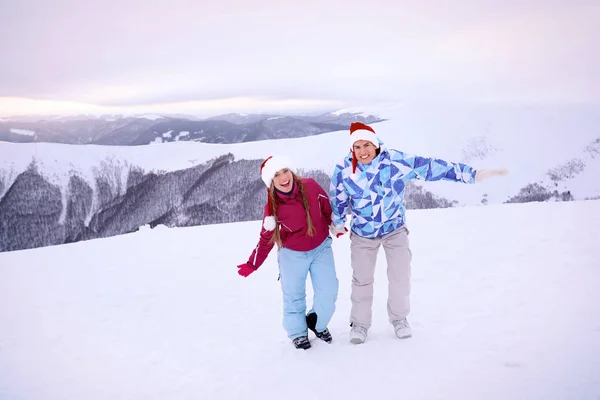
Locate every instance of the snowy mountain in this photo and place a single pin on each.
(478, 149)
(241, 118)
(578, 176)
(54, 197)
(55, 193)
(118, 130)
(497, 313)
(340, 117)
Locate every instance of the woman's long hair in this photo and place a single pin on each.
(275, 204)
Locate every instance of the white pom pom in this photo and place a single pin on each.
(269, 223)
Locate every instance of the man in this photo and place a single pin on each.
(370, 182)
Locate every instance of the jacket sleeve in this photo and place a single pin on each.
(264, 246)
(434, 169)
(338, 198)
(324, 204)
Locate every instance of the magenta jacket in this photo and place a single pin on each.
(292, 222)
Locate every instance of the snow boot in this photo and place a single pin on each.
(402, 329)
(301, 342)
(358, 334)
(311, 323)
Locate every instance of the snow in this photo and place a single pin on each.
(167, 134)
(525, 142)
(351, 110)
(271, 118)
(382, 110)
(354, 111)
(150, 117)
(56, 161)
(504, 305)
(24, 132)
(586, 183)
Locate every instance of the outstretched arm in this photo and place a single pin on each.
(435, 169)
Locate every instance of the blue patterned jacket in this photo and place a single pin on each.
(375, 193)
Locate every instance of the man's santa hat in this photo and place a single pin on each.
(360, 131)
(268, 169)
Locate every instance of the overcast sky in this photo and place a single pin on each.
(239, 55)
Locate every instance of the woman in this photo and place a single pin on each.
(297, 218)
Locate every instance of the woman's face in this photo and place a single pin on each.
(283, 180)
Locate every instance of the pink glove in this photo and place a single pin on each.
(246, 269)
(337, 231)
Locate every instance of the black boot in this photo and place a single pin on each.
(311, 323)
(302, 342)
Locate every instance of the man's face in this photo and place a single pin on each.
(365, 151)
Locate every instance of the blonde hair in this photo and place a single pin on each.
(275, 204)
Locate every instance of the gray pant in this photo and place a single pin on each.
(363, 256)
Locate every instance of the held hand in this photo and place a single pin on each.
(246, 269)
(483, 174)
(337, 231)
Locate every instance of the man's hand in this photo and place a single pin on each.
(483, 174)
(337, 231)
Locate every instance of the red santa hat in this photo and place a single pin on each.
(360, 131)
(268, 169)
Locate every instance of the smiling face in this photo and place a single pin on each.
(365, 151)
(283, 180)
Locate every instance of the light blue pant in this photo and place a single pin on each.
(294, 267)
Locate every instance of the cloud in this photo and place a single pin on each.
(19, 106)
(123, 54)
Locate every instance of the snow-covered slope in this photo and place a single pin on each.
(580, 175)
(57, 161)
(529, 142)
(505, 305)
